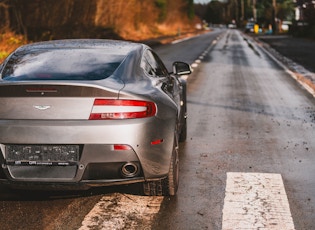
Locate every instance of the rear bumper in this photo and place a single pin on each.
(96, 165)
(97, 137)
(99, 166)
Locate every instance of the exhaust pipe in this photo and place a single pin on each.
(130, 170)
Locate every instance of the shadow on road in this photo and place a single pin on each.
(7, 194)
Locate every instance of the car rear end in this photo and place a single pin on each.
(80, 133)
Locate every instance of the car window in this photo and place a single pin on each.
(146, 66)
(61, 64)
(153, 65)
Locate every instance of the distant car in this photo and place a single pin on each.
(84, 113)
(231, 26)
(285, 26)
(249, 28)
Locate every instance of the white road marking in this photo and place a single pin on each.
(122, 211)
(183, 39)
(201, 57)
(256, 201)
(252, 201)
(194, 65)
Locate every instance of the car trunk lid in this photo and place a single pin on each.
(50, 101)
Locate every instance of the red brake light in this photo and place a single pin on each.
(111, 109)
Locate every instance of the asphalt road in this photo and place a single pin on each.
(248, 160)
(246, 115)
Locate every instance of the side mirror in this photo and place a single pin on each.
(181, 68)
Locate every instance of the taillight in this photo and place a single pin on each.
(111, 109)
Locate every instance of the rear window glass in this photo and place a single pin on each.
(61, 64)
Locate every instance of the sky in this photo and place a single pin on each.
(202, 1)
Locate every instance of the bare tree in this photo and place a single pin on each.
(4, 10)
(17, 11)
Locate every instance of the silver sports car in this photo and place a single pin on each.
(83, 113)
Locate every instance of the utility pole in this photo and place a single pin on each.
(236, 16)
(242, 10)
(254, 11)
(274, 27)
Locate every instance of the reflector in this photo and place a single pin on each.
(121, 147)
(156, 142)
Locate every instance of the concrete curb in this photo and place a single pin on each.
(304, 77)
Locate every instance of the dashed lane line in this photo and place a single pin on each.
(198, 61)
(256, 201)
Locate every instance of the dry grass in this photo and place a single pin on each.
(9, 42)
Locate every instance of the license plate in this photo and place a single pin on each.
(42, 155)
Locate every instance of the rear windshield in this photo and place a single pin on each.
(61, 64)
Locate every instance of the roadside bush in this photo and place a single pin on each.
(9, 41)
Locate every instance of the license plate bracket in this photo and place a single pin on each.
(42, 155)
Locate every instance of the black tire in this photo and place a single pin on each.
(183, 131)
(167, 186)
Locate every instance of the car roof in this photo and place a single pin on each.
(122, 47)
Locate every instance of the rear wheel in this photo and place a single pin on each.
(169, 185)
